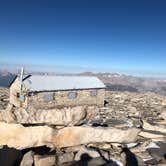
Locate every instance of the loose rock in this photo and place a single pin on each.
(27, 159)
(44, 160)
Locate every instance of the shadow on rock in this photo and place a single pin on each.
(107, 162)
(131, 159)
(165, 156)
(10, 156)
(85, 158)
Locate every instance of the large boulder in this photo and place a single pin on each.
(67, 116)
(72, 136)
(20, 137)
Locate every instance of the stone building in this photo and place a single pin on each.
(46, 92)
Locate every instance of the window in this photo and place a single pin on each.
(48, 97)
(72, 95)
(93, 93)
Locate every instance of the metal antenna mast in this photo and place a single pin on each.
(21, 78)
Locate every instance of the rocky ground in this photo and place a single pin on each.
(129, 131)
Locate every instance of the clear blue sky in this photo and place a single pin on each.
(107, 35)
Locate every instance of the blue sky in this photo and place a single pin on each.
(116, 36)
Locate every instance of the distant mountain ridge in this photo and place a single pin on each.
(6, 78)
(113, 81)
(121, 82)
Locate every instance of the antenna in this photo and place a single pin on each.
(21, 78)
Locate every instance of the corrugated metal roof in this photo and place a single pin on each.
(48, 83)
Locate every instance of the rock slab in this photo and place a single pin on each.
(67, 116)
(20, 137)
(72, 136)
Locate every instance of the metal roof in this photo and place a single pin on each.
(48, 83)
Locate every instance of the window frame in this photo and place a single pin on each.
(50, 97)
(72, 95)
(93, 93)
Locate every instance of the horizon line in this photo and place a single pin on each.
(59, 69)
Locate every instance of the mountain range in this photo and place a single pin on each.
(113, 81)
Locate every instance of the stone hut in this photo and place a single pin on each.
(46, 92)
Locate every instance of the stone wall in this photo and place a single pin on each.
(61, 99)
(4, 97)
(14, 99)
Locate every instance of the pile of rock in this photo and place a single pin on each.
(131, 130)
(131, 107)
(144, 105)
(66, 144)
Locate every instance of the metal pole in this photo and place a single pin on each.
(21, 78)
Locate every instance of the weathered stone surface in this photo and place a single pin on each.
(157, 154)
(164, 103)
(61, 99)
(20, 137)
(151, 135)
(140, 105)
(140, 147)
(66, 116)
(66, 157)
(7, 115)
(72, 149)
(4, 97)
(72, 136)
(159, 139)
(92, 112)
(44, 160)
(157, 128)
(103, 146)
(163, 115)
(27, 159)
(15, 135)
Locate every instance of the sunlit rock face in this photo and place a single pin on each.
(67, 116)
(71, 136)
(20, 137)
